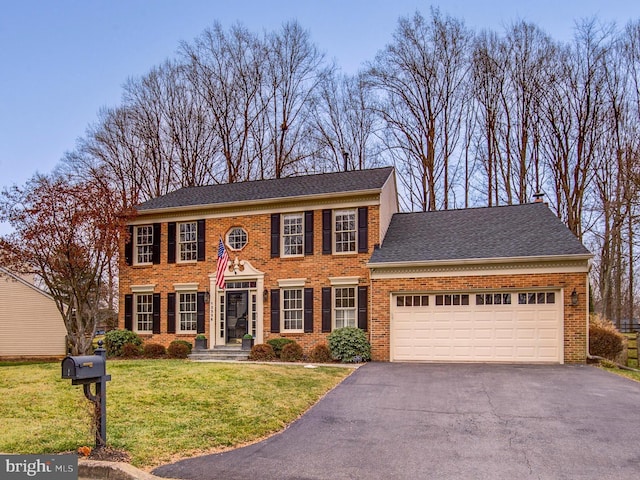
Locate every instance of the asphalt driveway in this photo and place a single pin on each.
(425, 421)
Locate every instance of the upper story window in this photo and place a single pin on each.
(345, 230)
(143, 244)
(188, 242)
(237, 238)
(292, 234)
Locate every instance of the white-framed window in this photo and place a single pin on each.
(449, 299)
(187, 311)
(292, 309)
(345, 231)
(292, 234)
(188, 242)
(144, 312)
(237, 238)
(344, 307)
(143, 244)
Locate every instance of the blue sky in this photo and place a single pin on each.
(62, 60)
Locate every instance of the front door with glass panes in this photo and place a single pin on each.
(237, 309)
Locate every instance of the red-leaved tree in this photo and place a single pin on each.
(66, 233)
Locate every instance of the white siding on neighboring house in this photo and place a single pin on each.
(30, 324)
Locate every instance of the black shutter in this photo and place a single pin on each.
(171, 312)
(156, 243)
(156, 313)
(200, 314)
(308, 310)
(363, 229)
(171, 243)
(326, 309)
(201, 242)
(308, 233)
(326, 232)
(275, 235)
(275, 311)
(128, 312)
(128, 247)
(363, 307)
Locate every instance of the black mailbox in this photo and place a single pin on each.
(85, 367)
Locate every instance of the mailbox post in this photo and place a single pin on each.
(86, 370)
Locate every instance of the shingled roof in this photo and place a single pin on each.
(289, 187)
(515, 231)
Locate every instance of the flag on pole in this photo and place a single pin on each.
(223, 261)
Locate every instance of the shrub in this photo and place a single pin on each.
(292, 352)
(604, 338)
(114, 340)
(321, 354)
(179, 349)
(349, 345)
(130, 350)
(262, 352)
(278, 344)
(153, 350)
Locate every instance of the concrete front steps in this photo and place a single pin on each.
(220, 353)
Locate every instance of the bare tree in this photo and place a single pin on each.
(226, 70)
(420, 77)
(345, 124)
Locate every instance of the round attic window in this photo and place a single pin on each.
(237, 238)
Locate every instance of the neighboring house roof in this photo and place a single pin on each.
(18, 278)
(289, 187)
(515, 231)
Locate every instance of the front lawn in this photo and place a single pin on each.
(157, 410)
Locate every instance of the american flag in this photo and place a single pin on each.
(223, 260)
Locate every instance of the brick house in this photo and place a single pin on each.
(314, 253)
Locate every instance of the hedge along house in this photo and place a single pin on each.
(314, 253)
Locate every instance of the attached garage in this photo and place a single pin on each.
(477, 327)
(503, 284)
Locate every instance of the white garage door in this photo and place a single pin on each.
(488, 327)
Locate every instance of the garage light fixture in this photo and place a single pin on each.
(574, 297)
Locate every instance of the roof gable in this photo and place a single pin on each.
(515, 231)
(279, 188)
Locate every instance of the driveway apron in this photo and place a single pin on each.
(461, 421)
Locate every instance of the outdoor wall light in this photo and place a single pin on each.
(265, 295)
(207, 297)
(574, 297)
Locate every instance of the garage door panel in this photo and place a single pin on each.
(504, 332)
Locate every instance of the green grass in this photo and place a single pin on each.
(624, 373)
(157, 410)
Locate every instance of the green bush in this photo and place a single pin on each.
(262, 352)
(130, 350)
(179, 349)
(153, 350)
(292, 352)
(604, 339)
(321, 354)
(349, 345)
(278, 344)
(114, 340)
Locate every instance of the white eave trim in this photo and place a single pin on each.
(479, 261)
(476, 267)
